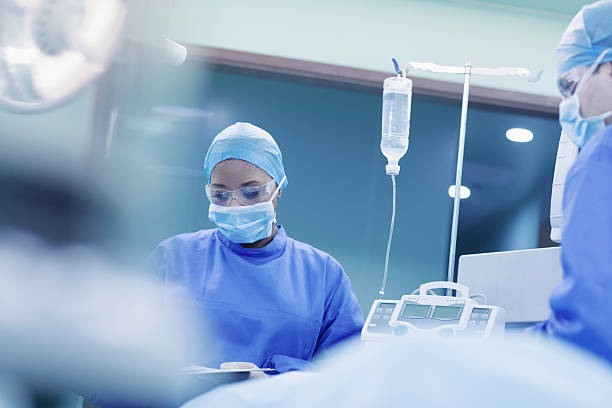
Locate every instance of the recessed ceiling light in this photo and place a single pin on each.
(463, 193)
(519, 135)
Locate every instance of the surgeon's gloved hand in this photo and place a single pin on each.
(242, 365)
(283, 364)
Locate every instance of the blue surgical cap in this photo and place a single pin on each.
(586, 37)
(246, 142)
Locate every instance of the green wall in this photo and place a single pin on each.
(367, 33)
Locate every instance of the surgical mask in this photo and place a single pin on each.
(577, 128)
(245, 224)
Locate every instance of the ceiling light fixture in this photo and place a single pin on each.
(519, 135)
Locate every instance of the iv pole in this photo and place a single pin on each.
(467, 70)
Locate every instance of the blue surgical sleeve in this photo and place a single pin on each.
(342, 320)
(342, 317)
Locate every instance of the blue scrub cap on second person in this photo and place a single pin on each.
(586, 37)
(250, 143)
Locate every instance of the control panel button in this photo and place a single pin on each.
(379, 310)
(483, 323)
(485, 316)
(386, 317)
(475, 315)
(376, 317)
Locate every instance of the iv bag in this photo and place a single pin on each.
(397, 100)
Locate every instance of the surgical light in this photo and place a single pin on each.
(464, 192)
(51, 49)
(519, 135)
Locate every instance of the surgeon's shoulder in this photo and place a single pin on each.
(309, 252)
(190, 240)
(593, 158)
(598, 149)
(605, 140)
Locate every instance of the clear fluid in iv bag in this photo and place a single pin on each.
(395, 125)
(394, 147)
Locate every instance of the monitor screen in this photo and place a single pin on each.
(412, 310)
(447, 312)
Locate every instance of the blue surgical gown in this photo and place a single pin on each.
(581, 304)
(275, 306)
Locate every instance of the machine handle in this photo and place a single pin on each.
(462, 290)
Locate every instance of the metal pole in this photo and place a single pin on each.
(453, 241)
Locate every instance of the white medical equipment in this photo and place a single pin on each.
(519, 281)
(424, 314)
(566, 156)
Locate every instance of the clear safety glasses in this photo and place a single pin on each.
(568, 82)
(246, 195)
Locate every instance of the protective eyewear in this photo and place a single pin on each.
(570, 81)
(245, 196)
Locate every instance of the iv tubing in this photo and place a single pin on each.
(384, 281)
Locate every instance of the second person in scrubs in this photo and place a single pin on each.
(266, 298)
(580, 304)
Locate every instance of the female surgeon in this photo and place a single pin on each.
(266, 299)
